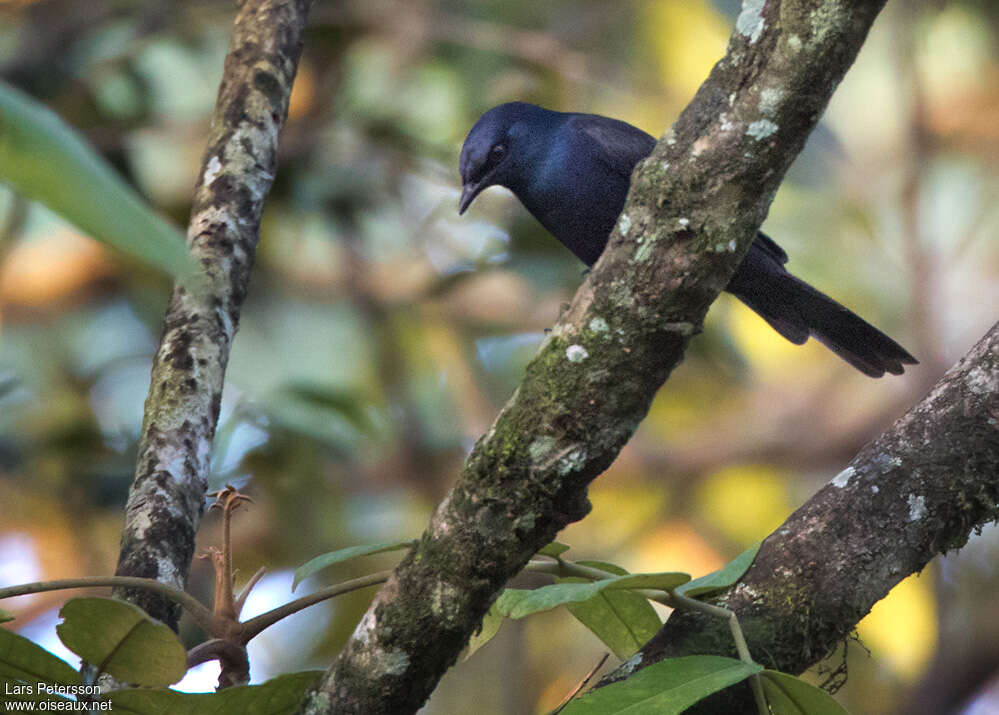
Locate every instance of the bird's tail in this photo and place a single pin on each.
(796, 310)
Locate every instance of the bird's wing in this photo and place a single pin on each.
(618, 144)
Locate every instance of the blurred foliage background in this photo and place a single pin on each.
(382, 332)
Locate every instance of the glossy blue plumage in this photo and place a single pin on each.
(572, 172)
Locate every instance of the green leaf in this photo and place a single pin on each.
(351, 552)
(491, 623)
(623, 620)
(344, 403)
(788, 695)
(122, 640)
(722, 578)
(279, 696)
(517, 603)
(554, 549)
(334, 417)
(21, 661)
(666, 581)
(665, 688)
(45, 159)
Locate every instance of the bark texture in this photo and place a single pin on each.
(166, 499)
(694, 207)
(918, 490)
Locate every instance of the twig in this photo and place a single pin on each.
(670, 598)
(692, 604)
(580, 686)
(199, 613)
(245, 591)
(254, 626)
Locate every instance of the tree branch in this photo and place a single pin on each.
(693, 210)
(166, 499)
(918, 490)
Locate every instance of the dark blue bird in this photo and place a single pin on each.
(572, 172)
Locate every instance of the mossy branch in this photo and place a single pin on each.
(920, 489)
(166, 498)
(694, 208)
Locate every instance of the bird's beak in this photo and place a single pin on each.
(468, 194)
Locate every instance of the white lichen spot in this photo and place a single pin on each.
(624, 225)
(444, 600)
(573, 461)
(874, 489)
(664, 165)
(599, 325)
(684, 222)
(825, 20)
(700, 146)
(212, 169)
(644, 251)
(727, 126)
(683, 328)
(540, 448)
(917, 507)
(631, 665)
(761, 129)
(844, 477)
(981, 381)
(576, 353)
(794, 42)
(394, 662)
(166, 572)
(525, 522)
(140, 523)
(769, 99)
(440, 525)
(365, 628)
(731, 245)
(887, 462)
(750, 22)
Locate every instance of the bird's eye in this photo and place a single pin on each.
(497, 152)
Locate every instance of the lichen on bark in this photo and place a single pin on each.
(694, 208)
(165, 502)
(920, 489)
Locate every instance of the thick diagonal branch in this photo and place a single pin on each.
(166, 499)
(694, 208)
(918, 490)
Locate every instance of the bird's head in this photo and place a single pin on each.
(496, 146)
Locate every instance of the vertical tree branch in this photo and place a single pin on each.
(166, 499)
(694, 208)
